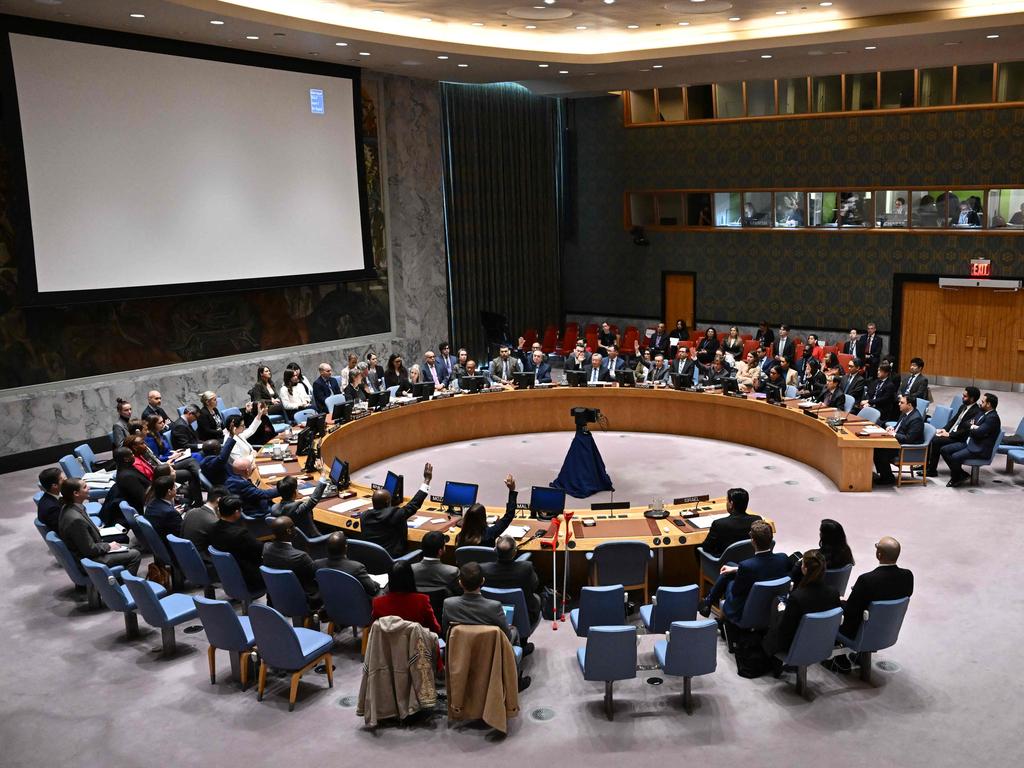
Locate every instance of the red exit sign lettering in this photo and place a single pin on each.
(981, 268)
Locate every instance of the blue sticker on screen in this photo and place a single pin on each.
(316, 101)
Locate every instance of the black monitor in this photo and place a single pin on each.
(339, 473)
(773, 392)
(423, 389)
(377, 400)
(730, 386)
(318, 424)
(576, 378)
(304, 444)
(523, 380)
(460, 494)
(546, 503)
(682, 380)
(395, 485)
(626, 377)
(342, 412)
(471, 383)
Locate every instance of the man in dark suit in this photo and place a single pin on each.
(324, 386)
(659, 371)
(160, 512)
(887, 582)
(981, 436)
(49, 504)
(433, 371)
(182, 434)
(199, 521)
(833, 396)
(686, 363)
(597, 372)
(445, 360)
(956, 427)
(916, 383)
(783, 347)
(255, 500)
(853, 382)
(155, 406)
(613, 361)
(430, 573)
(504, 365)
(77, 530)
(541, 370)
(338, 560)
(508, 573)
(659, 341)
(909, 430)
(231, 535)
(283, 555)
(852, 345)
(385, 524)
(735, 582)
(736, 527)
(881, 395)
(298, 508)
(870, 350)
(214, 461)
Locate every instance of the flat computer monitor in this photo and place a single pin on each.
(304, 443)
(546, 503)
(318, 424)
(460, 494)
(472, 383)
(339, 473)
(423, 389)
(682, 380)
(523, 380)
(342, 412)
(626, 377)
(395, 485)
(730, 386)
(576, 378)
(773, 393)
(377, 400)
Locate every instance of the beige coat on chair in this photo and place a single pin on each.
(398, 670)
(482, 676)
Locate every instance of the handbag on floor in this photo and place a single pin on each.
(159, 574)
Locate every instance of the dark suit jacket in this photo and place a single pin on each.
(881, 394)
(915, 387)
(387, 527)
(196, 527)
(132, 486)
(765, 339)
(442, 364)
(236, 539)
(543, 374)
(48, 511)
(851, 347)
(871, 352)
(510, 574)
(764, 566)
(886, 582)
(183, 436)
(206, 426)
(659, 344)
(960, 435)
(442, 375)
(982, 434)
(706, 349)
(910, 428)
(163, 517)
(728, 530)
(255, 501)
(81, 534)
(283, 556)
(853, 386)
(620, 364)
(834, 399)
(322, 390)
(805, 599)
(352, 568)
(602, 373)
(433, 574)
(658, 374)
(149, 410)
(788, 351)
(473, 608)
(215, 468)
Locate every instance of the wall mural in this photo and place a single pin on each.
(39, 345)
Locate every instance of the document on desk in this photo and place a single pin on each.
(348, 506)
(706, 521)
(307, 491)
(98, 477)
(873, 430)
(416, 522)
(517, 531)
(266, 470)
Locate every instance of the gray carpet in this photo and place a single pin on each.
(77, 693)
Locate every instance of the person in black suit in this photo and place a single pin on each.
(714, 374)
(182, 434)
(129, 481)
(881, 395)
(434, 371)
(833, 547)
(385, 524)
(870, 350)
(736, 527)
(283, 555)
(852, 344)
(541, 370)
(909, 430)
(77, 530)
(981, 436)
(160, 512)
(155, 406)
(214, 461)
(735, 581)
(508, 573)
(707, 346)
(853, 382)
(210, 424)
(784, 347)
(956, 427)
(49, 504)
(231, 535)
(886, 582)
(324, 386)
(659, 371)
(833, 396)
(811, 596)
(597, 372)
(337, 559)
(916, 384)
(430, 573)
(686, 362)
(812, 382)
(445, 360)
(764, 337)
(659, 341)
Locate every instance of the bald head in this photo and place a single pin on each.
(281, 527)
(887, 550)
(381, 499)
(242, 466)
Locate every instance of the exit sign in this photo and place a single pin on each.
(981, 268)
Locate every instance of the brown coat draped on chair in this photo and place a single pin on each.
(481, 676)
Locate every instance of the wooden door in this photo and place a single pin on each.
(678, 298)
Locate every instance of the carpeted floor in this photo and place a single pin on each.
(76, 692)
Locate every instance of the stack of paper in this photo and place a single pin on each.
(348, 506)
(706, 521)
(266, 470)
(381, 579)
(416, 522)
(872, 430)
(517, 531)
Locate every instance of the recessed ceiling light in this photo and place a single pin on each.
(252, 37)
(952, 42)
(870, 47)
(377, 10)
(137, 15)
(684, 23)
(341, 45)
(543, 66)
(550, 2)
(991, 37)
(463, 65)
(609, 2)
(839, 53)
(442, 58)
(531, 26)
(632, 26)
(815, 53)
(563, 71)
(696, 1)
(781, 13)
(217, 22)
(477, 24)
(734, 18)
(766, 55)
(657, 66)
(364, 53)
(581, 26)
(825, 5)
(427, 20)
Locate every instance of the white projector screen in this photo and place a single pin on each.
(150, 170)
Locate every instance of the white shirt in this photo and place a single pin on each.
(241, 449)
(300, 397)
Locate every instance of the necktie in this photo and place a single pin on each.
(593, 374)
(959, 418)
(433, 373)
(504, 370)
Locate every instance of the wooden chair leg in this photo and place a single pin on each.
(244, 659)
(262, 681)
(330, 628)
(211, 655)
(296, 676)
(329, 664)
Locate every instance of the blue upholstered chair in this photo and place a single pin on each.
(332, 401)
(286, 594)
(792, 391)
(922, 406)
(228, 412)
(128, 515)
(155, 544)
(72, 568)
(878, 631)
(115, 595)
(690, 649)
(871, 414)
(758, 606)
(598, 606)
(376, 558)
(231, 579)
(940, 416)
(711, 566)
(520, 613)
(1014, 455)
(315, 547)
(813, 642)
(955, 402)
(300, 417)
(474, 554)
(983, 461)
(848, 402)
(621, 562)
(72, 467)
(40, 528)
(191, 564)
(670, 604)
(226, 631)
(164, 613)
(610, 655)
(88, 458)
(345, 601)
(914, 455)
(291, 649)
(839, 578)
(1005, 449)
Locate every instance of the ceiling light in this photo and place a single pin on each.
(550, 2)
(839, 53)
(137, 15)
(363, 53)
(581, 26)
(217, 22)
(734, 18)
(684, 23)
(632, 26)
(781, 13)
(442, 58)
(427, 20)
(766, 55)
(252, 37)
(543, 66)
(531, 26)
(377, 10)
(870, 47)
(991, 37)
(341, 44)
(647, 70)
(952, 42)
(825, 5)
(657, 66)
(463, 65)
(563, 71)
(696, 1)
(477, 24)
(609, 2)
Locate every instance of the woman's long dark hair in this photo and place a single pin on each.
(832, 543)
(474, 526)
(401, 578)
(391, 364)
(814, 563)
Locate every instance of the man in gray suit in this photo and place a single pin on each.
(337, 558)
(504, 365)
(430, 573)
(81, 535)
(283, 555)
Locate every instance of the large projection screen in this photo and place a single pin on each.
(150, 173)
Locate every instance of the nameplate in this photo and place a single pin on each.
(523, 507)
(437, 499)
(691, 499)
(376, 487)
(603, 505)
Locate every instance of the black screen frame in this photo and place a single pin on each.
(18, 207)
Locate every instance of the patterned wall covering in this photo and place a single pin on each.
(821, 280)
(50, 344)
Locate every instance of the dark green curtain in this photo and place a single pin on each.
(503, 207)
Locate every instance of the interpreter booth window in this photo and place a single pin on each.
(821, 209)
(793, 96)
(760, 98)
(935, 88)
(790, 209)
(757, 209)
(891, 209)
(670, 104)
(974, 84)
(898, 89)
(730, 99)
(856, 209)
(965, 209)
(1006, 208)
(1010, 83)
(862, 91)
(670, 209)
(641, 209)
(925, 212)
(698, 209)
(827, 93)
(641, 106)
(728, 209)
(700, 102)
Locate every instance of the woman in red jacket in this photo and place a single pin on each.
(402, 600)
